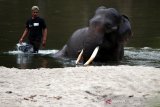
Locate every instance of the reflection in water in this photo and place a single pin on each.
(23, 60)
(35, 60)
(44, 63)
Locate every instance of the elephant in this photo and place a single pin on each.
(108, 32)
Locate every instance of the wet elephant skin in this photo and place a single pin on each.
(107, 29)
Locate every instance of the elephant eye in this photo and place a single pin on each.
(108, 25)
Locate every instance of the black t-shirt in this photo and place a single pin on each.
(35, 27)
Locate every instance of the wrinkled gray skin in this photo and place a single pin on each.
(108, 29)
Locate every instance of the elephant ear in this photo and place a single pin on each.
(124, 16)
(125, 30)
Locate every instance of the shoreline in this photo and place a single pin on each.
(91, 86)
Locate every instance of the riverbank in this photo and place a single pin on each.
(103, 86)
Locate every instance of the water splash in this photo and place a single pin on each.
(25, 48)
(41, 52)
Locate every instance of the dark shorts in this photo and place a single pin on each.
(36, 43)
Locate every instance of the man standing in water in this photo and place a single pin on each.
(36, 30)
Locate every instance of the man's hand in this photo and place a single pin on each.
(44, 37)
(44, 43)
(21, 40)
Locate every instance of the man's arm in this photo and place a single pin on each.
(23, 35)
(44, 37)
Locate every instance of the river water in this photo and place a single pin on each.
(64, 17)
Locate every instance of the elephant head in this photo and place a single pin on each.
(106, 20)
(109, 32)
(103, 40)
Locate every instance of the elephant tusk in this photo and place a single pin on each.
(79, 57)
(92, 56)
